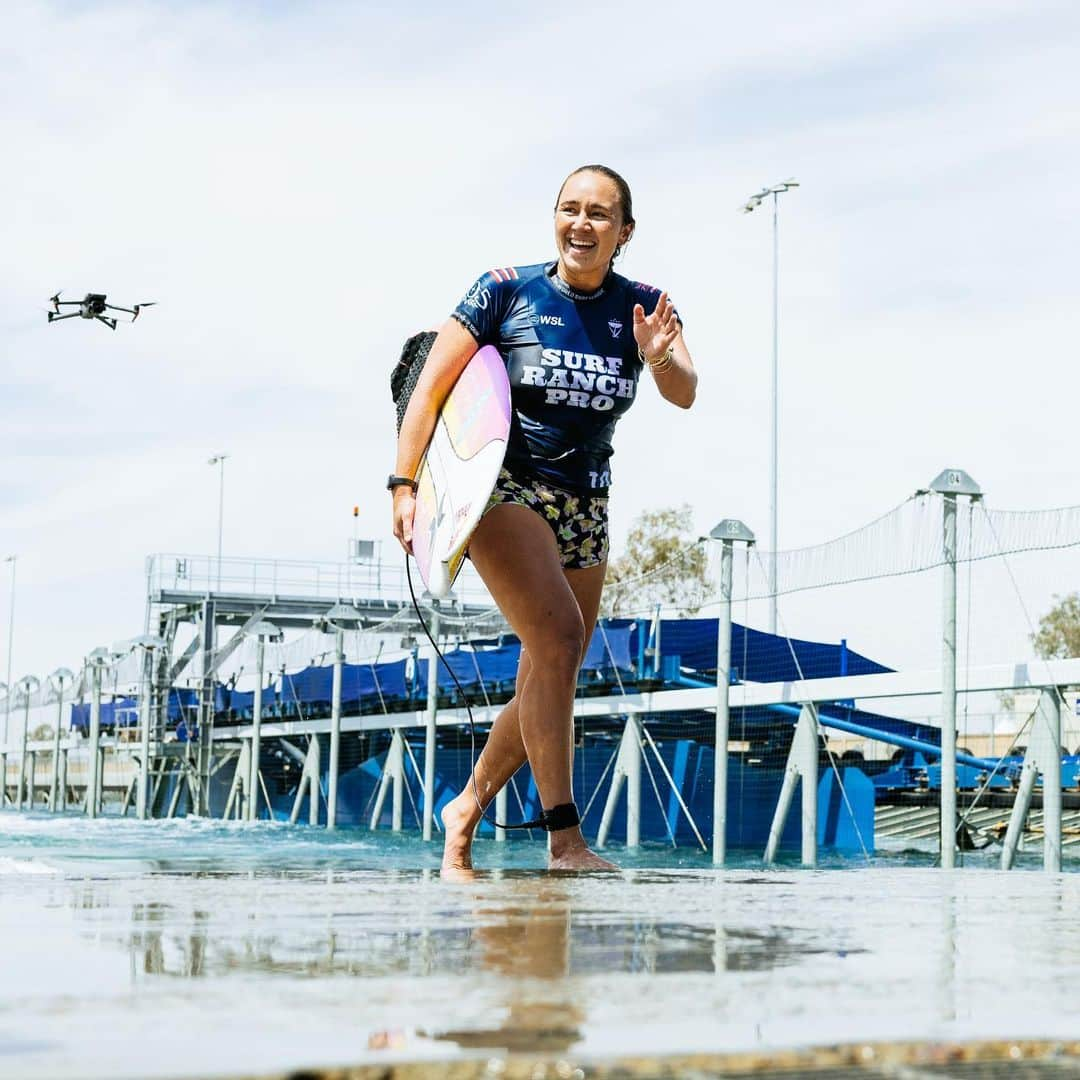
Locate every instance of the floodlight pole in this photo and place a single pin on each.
(774, 457)
(219, 460)
(775, 190)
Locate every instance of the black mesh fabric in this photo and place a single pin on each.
(407, 370)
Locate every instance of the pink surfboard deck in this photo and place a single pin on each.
(460, 467)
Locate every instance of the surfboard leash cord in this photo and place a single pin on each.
(558, 817)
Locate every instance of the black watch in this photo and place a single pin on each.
(400, 481)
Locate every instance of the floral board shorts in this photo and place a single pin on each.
(579, 522)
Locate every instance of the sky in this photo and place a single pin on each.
(301, 187)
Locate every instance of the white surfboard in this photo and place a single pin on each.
(460, 467)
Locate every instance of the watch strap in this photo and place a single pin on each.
(400, 481)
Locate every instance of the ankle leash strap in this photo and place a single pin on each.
(560, 817)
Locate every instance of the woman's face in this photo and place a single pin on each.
(589, 224)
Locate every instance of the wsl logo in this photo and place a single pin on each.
(615, 327)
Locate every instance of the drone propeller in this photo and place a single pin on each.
(139, 307)
(55, 301)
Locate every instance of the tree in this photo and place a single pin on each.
(1059, 629)
(663, 563)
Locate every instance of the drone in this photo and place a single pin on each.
(93, 306)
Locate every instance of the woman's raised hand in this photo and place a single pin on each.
(656, 333)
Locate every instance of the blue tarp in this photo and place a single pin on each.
(243, 701)
(616, 645)
(120, 712)
(472, 667)
(755, 656)
(359, 682)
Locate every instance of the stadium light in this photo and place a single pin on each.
(752, 203)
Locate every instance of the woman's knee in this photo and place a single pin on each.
(559, 645)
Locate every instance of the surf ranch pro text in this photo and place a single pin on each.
(580, 380)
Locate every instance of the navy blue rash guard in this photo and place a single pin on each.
(573, 366)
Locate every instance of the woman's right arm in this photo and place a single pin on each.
(449, 354)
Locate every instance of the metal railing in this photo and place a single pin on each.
(378, 579)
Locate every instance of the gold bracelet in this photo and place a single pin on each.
(660, 364)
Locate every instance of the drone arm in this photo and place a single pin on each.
(53, 317)
(110, 323)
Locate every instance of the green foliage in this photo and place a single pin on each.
(42, 732)
(1059, 629)
(663, 564)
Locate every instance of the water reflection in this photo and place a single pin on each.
(524, 939)
(510, 925)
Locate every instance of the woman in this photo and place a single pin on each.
(576, 338)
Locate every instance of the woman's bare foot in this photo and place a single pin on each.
(570, 852)
(579, 859)
(459, 821)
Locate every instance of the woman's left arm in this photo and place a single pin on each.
(677, 381)
(663, 351)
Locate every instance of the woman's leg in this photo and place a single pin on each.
(504, 751)
(515, 553)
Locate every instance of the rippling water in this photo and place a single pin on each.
(199, 947)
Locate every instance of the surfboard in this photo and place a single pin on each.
(460, 467)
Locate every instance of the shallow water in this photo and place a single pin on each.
(204, 948)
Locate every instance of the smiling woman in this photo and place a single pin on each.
(575, 337)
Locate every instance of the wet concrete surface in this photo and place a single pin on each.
(156, 967)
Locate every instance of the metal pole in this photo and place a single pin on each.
(335, 730)
(95, 740)
(1050, 709)
(256, 735)
(221, 516)
(429, 726)
(774, 468)
(723, 680)
(219, 460)
(54, 783)
(207, 694)
(808, 767)
(143, 808)
(11, 641)
(948, 689)
(22, 759)
(501, 801)
(632, 733)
